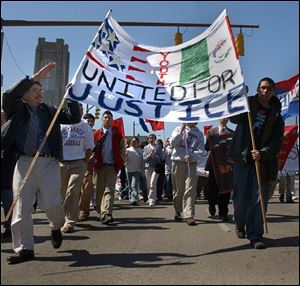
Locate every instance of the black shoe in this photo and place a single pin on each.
(134, 203)
(107, 219)
(281, 198)
(23, 256)
(257, 244)
(178, 217)
(289, 200)
(212, 209)
(190, 221)
(56, 238)
(224, 218)
(240, 231)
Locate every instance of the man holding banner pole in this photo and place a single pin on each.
(255, 151)
(29, 132)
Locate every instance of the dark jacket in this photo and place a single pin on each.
(8, 161)
(18, 117)
(270, 141)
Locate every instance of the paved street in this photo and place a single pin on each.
(146, 246)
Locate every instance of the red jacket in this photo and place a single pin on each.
(118, 149)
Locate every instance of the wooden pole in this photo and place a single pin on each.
(186, 152)
(257, 167)
(34, 160)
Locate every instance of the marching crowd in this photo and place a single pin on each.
(75, 160)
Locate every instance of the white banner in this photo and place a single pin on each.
(200, 80)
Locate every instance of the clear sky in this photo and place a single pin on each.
(272, 50)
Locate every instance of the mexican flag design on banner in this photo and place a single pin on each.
(198, 54)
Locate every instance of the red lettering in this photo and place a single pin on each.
(164, 54)
(159, 82)
(164, 63)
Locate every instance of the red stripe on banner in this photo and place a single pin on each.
(131, 68)
(139, 49)
(91, 57)
(135, 59)
(231, 36)
(132, 78)
(156, 125)
(288, 84)
(289, 139)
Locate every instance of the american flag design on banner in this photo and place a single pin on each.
(288, 93)
(105, 47)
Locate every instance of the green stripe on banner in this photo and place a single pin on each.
(195, 64)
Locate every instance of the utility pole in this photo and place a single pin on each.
(23, 23)
(133, 128)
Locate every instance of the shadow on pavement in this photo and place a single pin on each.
(80, 258)
(42, 239)
(292, 241)
(275, 218)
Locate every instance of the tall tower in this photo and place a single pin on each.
(58, 52)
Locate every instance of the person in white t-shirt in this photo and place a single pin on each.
(78, 143)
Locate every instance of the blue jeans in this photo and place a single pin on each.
(168, 187)
(246, 203)
(134, 183)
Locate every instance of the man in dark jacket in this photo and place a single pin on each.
(217, 192)
(268, 129)
(28, 121)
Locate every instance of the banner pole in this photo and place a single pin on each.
(257, 168)
(187, 153)
(34, 160)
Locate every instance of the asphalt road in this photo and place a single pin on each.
(146, 246)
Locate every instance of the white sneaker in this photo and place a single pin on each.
(67, 228)
(151, 203)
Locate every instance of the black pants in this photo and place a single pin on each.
(160, 186)
(213, 196)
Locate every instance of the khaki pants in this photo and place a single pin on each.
(86, 193)
(184, 188)
(44, 181)
(72, 174)
(105, 183)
